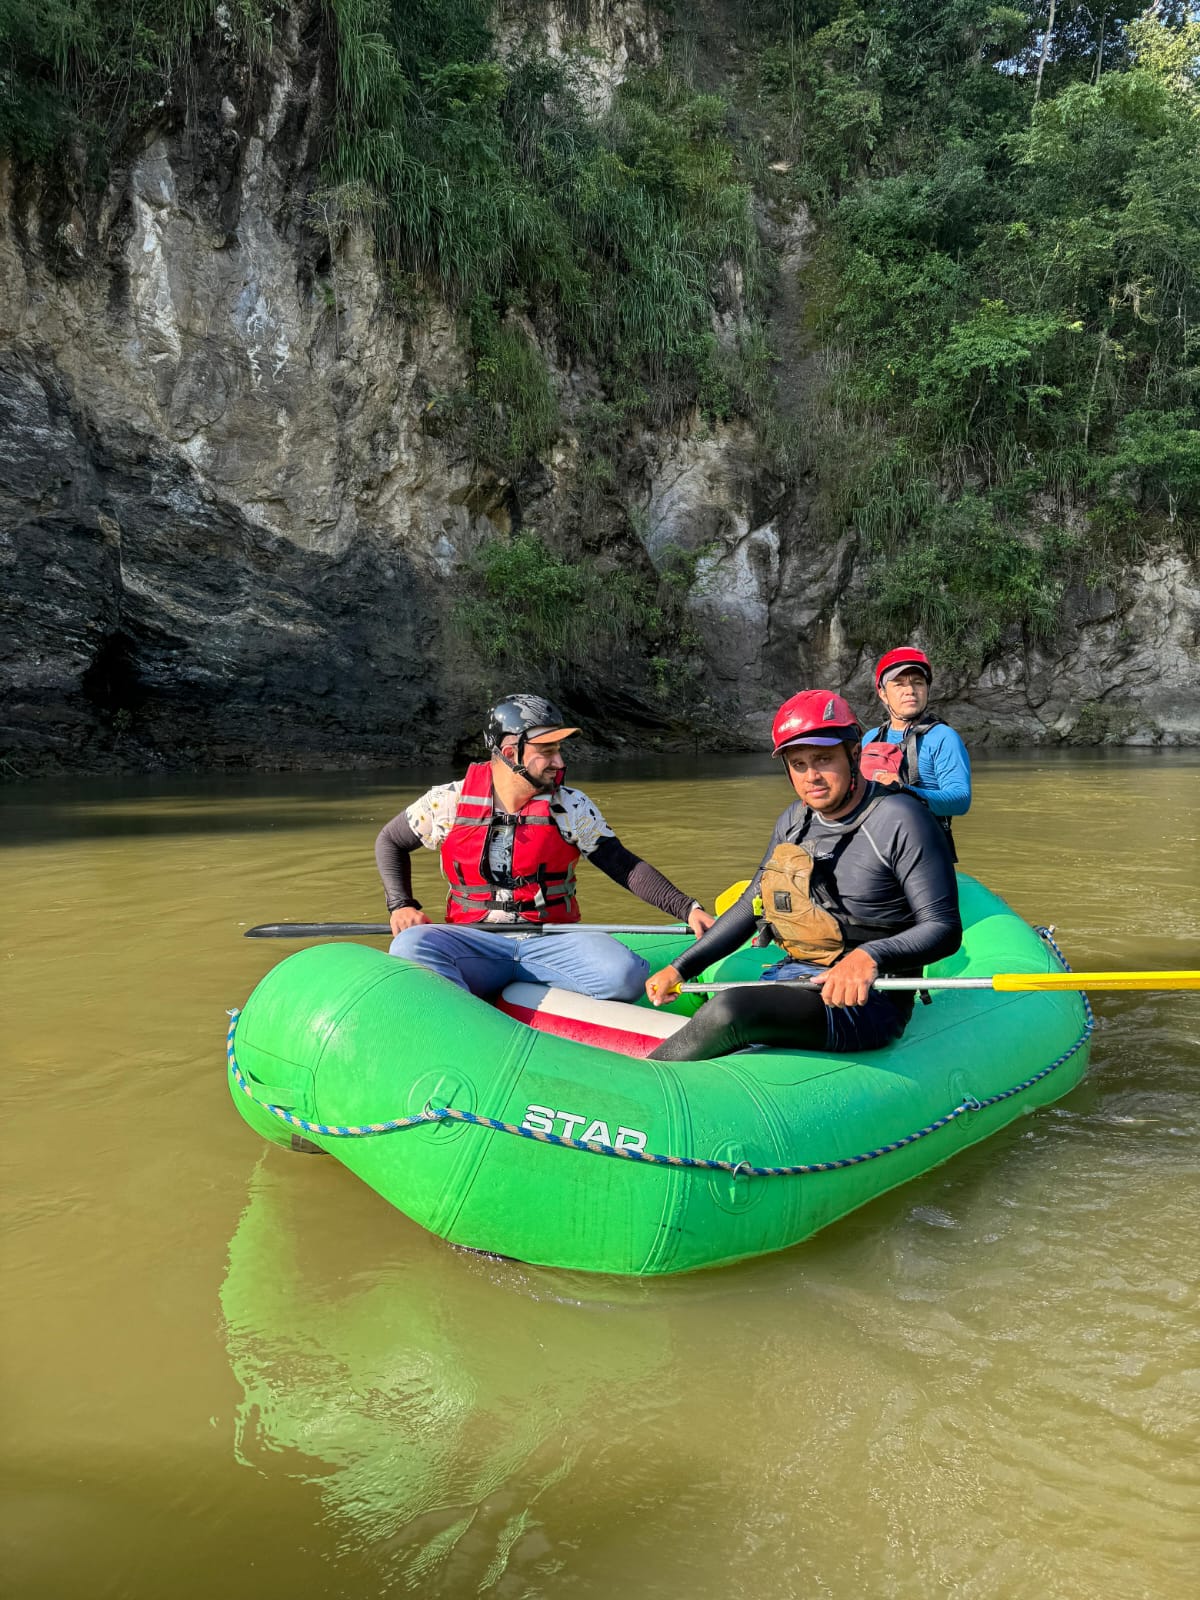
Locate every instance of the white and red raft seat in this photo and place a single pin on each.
(609, 1024)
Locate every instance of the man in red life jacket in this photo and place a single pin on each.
(509, 834)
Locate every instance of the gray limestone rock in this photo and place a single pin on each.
(229, 533)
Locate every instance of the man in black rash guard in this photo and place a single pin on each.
(509, 834)
(880, 887)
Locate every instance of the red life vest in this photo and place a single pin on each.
(542, 876)
(880, 755)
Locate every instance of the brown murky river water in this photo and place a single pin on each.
(233, 1371)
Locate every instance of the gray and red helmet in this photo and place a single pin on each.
(906, 659)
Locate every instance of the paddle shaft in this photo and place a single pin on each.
(353, 930)
(807, 983)
(1001, 982)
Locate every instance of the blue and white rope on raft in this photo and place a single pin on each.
(433, 1114)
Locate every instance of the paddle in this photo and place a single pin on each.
(354, 930)
(727, 896)
(1000, 982)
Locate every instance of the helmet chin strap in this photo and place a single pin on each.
(518, 766)
(853, 753)
(550, 781)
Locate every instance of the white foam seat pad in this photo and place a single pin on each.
(608, 1024)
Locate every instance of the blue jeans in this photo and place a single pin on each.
(850, 1028)
(484, 963)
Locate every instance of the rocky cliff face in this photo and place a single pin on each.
(227, 537)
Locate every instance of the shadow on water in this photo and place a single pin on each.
(238, 803)
(78, 810)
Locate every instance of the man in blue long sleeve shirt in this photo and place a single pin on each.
(933, 760)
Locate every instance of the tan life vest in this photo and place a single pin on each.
(804, 930)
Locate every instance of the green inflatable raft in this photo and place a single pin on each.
(502, 1137)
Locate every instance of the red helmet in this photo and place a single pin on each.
(815, 716)
(896, 660)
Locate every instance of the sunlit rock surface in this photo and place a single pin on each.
(229, 536)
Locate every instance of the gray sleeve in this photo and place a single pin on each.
(640, 878)
(727, 933)
(921, 861)
(393, 846)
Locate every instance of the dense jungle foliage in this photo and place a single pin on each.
(1005, 291)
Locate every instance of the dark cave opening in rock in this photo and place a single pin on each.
(112, 683)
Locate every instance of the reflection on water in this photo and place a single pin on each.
(427, 1435)
(229, 1368)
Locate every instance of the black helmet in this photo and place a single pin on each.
(519, 715)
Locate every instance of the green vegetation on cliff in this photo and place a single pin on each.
(1007, 292)
(528, 608)
(608, 234)
(614, 238)
(85, 73)
(610, 228)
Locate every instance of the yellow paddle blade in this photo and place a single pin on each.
(727, 896)
(1096, 980)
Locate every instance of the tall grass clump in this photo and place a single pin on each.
(89, 71)
(614, 237)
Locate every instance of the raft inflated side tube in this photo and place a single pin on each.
(348, 1036)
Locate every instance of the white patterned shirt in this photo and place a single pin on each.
(578, 818)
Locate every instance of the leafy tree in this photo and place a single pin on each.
(1007, 288)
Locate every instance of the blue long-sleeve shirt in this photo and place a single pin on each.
(943, 768)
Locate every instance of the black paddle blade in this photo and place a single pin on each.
(370, 930)
(317, 930)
